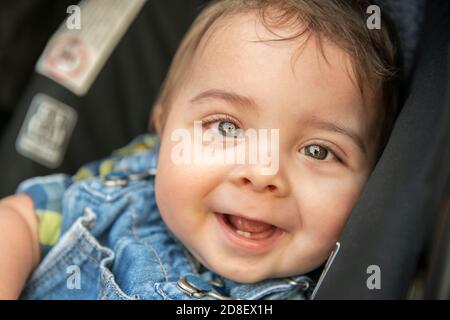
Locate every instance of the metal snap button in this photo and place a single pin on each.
(302, 283)
(115, 179)
(142, 175)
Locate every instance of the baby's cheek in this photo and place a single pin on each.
(178, 196)
(328, 211)
(171, 211)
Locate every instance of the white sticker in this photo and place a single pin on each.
(46, 131)
(74, 56)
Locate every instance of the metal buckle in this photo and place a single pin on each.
(198, 288)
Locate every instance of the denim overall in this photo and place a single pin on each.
(113, 244)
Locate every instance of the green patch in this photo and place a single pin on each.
(49, 226)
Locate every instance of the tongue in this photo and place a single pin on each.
(248, 225)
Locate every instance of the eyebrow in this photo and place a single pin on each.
(248, 102)
(331, 126)
(227, 96)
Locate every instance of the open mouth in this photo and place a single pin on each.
(251, 234)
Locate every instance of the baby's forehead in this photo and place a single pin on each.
(240, 48)
(244, 35)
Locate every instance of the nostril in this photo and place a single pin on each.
(271, 187)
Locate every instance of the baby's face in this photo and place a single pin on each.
(324, 150)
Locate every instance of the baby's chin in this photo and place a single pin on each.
(242, 276)
(243, 273)
(252, 276)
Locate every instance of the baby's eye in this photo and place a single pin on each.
(226, 127)
(229, 129)
(317, 152)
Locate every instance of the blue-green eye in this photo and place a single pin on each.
(225, 125)
(315, 151)
(228, 129)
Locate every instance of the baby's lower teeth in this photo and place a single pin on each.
(244, 233)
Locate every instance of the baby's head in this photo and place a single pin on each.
(312, 70)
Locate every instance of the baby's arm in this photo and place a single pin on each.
(19, 244)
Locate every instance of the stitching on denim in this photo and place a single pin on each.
(146, 244)
(103, 295)
(112, 285)
(88, 255)
(87, 186)
(47, 273)
(162, 292)
(268, 291)
(65, 258)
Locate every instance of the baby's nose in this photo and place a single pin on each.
(249, 176)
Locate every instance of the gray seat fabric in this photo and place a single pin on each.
(393, 221)
(407, 17)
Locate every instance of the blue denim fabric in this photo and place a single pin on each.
(113, 234)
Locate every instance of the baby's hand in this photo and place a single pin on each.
(19, 244)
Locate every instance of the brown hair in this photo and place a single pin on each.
(342, 22)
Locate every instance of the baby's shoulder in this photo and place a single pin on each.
(138, 155)
(104, 186)
(136, 160)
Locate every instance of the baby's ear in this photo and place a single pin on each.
(156, 119)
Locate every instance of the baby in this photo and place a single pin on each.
(140, 225)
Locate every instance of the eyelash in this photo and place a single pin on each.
(328, 148)
(224, 117)
(217, 117)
